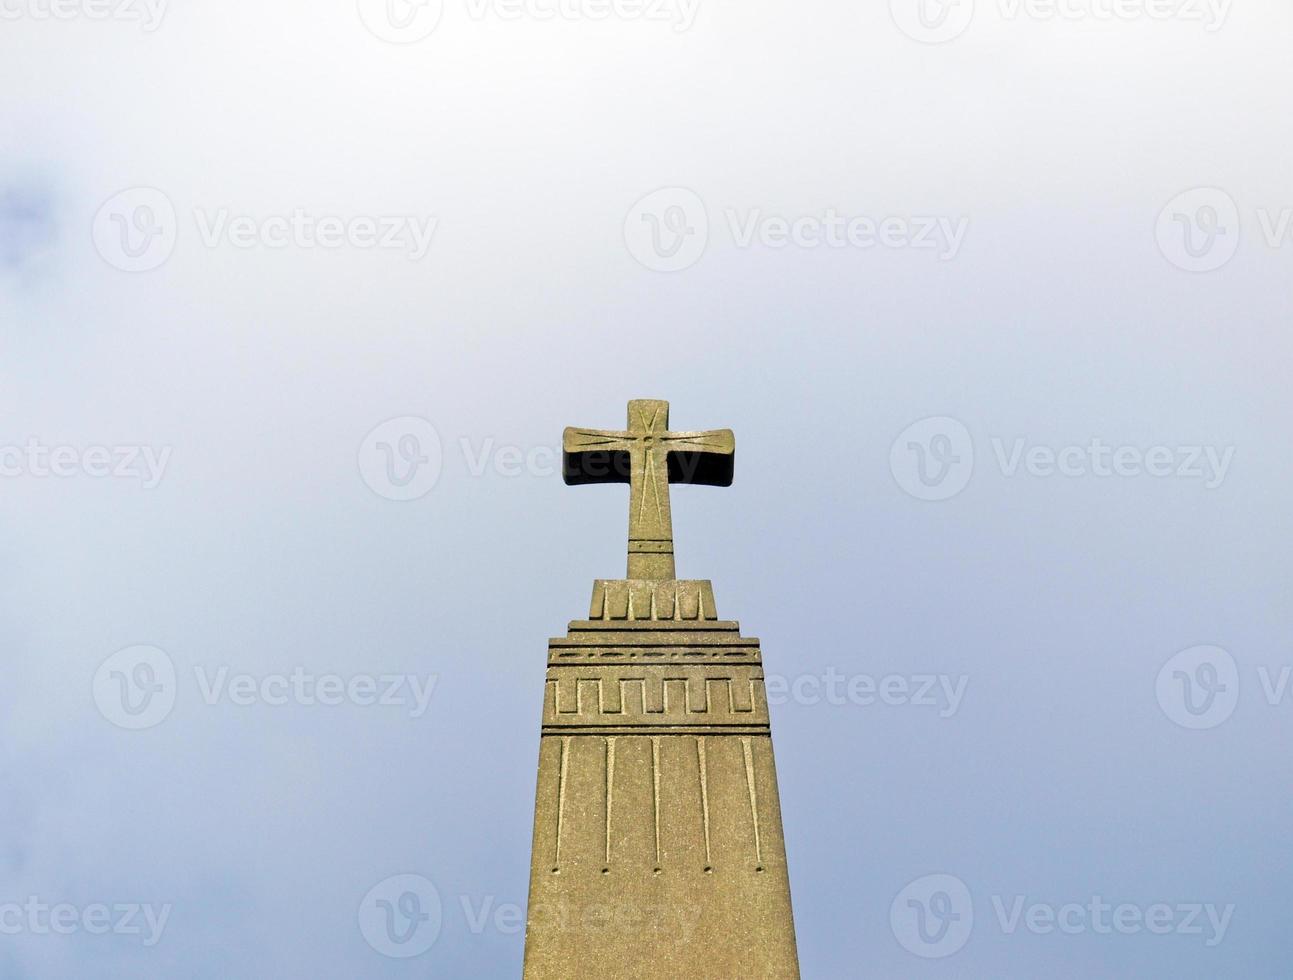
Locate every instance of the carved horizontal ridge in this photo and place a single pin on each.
(654, 676)
(657, 695)
(654, 656)
(652, 638)
(628, 694)
(652, 600)
(651, 625)
(665, 731)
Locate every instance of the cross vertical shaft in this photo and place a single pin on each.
(648, 457)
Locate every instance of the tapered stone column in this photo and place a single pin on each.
(658, 847)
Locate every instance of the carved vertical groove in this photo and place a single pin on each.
(610, 797)
(704, 798)
(655, 794)
(754, 803)
(561, 800)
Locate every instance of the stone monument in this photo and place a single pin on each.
(658, 849)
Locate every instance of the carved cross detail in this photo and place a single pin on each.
(648, 457)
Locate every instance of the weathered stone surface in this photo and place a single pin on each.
(658, 848)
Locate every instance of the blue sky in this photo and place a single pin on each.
(251, 258)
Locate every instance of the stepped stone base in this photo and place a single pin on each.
(658, 849)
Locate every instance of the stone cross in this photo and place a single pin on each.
(648, 457)
(657, 789)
